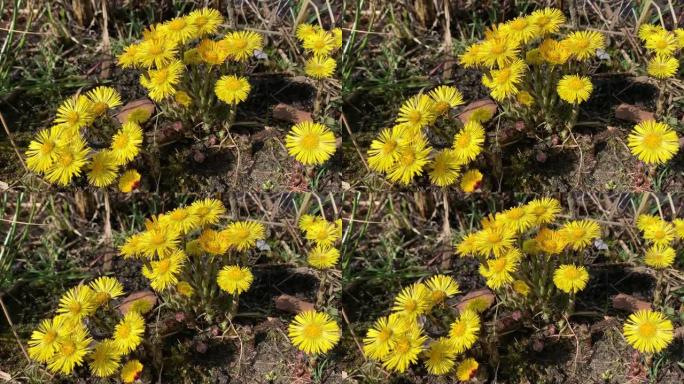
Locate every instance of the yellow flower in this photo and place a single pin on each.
(468, 142)
(131, 371)
(584, 44)
(323, 233)
(105, 288)
(412, 301)
(128, 332)
(156, 52)
(579, 234)
(77, 303)
(314, 332)
(126, 143)
(240, 45)
(307, 221)
(444, 98)
(212, 52)
(521, 287)
(644, 221)
(648, 331)
(71, 350)
(183, 219)
(310, 143)
(103, 169)
(380, 338)
(305, 30)
(518, 218)
(472, 56)
(521, 28)
(548, 20)
(653, 142)
(160, 82)
(407, 348)
(182, 98)
(104, 359)
(412, 158)
(660, 257)
(647, 30)
(467, 246)
(207, 21)
(159, 241)
(243, 235)
(180, 29)
(384, 151)
(570, 278)
(662, 43)
(574, 88)
(482, 115)
(499, 51)
(498, 271)
(319, 42)
(163, 273)
(208, 210)
(184, 289)
(417, 112)
(550, 242)
(44, 340)
(75, 113)
(504, 82)
(524, 98)
(660, 233)
(439, 357)
(323, 257)
(441, 287)
(544, 209)
(554, 52)
(234, 279)
(679, 228)
(133, 246)
(464, 331)
(42, 151)
(139, 115)
(466, 369)
(679, 34)
(130, 57)
(320, 67)
(129, 181)
(663, 67)
(102, 99)
(471, 180)
(494, 240)
(445, 168)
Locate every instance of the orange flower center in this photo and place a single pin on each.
(652, 140)
(647, 329)
(312, 331)
(310, 141)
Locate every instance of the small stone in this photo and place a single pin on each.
(632, 113)
(629, 303)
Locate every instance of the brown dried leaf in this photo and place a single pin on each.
(126, 304)
(629, 303)
(475, 105)
(131, 106)
(479, 294)
(632, 113)
(292, 304)
(289, 113)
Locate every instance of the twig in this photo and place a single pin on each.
(9, 321)
(358, 345)
(14, 146)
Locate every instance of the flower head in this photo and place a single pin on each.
(44, 339)
(466, 369)
(468, 142)
(384, 151)
(156, 52)
(548, 20)
(42, 151)
(441, 287)
(310, 143)
(69, 162)
(579, 234)
(584, 44)
(77, 303)
(163, 273)
(323, 257)
(659, 256)
(471, 181)
(663, 67)
(128, 332)
(232, 89)
(104, 359)
(235, 279)
(653, 142)
(445, 168)
(407, 348)
(648, 331)
(380, 338)
(320, 67)
(243, 235)
(314, 332)
(103, 168)
(439, 356)
(75, 113)
(574, 88)
(661, 43)
(129, 181)
(102, 99)
(570, 278)
(444, 98)
(206, 20)
(72, 348)
(241, 45)
(464, 331)
(412, 301)
(105, 288)
(412, 158)
(417, 112)
(131, 371)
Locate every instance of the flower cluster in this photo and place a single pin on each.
(402, 338)
(664, 47)
(525, 58)
(182, 252)
(62, 152)
(404, 152)
(520, 252)
(186, 64)
(66, 340)
(323, 234)
(660, 235)
(320, 44)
